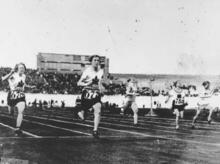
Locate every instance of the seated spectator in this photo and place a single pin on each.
(57, 83)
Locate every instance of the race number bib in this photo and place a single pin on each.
(179, 100)
(16, 95)
(91, 94)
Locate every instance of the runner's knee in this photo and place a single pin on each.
(177, 114)
(97, 108)
(21, 107)
(134, 107)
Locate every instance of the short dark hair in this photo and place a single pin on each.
(16, 66)
(205, 83)
(94, 56)
(175, 83)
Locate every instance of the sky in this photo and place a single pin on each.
(138, 36)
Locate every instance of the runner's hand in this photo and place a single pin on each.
(12, 71)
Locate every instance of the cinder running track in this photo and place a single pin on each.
(55, 138)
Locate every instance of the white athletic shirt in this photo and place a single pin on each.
(204, 92)
(90, 74)
(202, 99)
(17, 82)
(131, 91)
(131, 88)
(178, 96)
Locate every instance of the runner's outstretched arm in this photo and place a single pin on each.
(6, 77)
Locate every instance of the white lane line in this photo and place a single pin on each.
(166, 131)
(167, 119)
(182, 123)
(52, 126)
(165, 124)
(131, 132)
(147, 128)
(71, 137)
(56, 127)
(25, 132)
(144, 122)
(117, 119)
(82, 137)
(143, 117)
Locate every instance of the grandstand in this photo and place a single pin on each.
(67, 63)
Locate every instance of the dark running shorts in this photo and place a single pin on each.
(127, 105)
(178, 107)
(14, 97)
(90, 98)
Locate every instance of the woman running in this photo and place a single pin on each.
(91, 81)
(205, 102)
(16, 95)
(130, 102)
(177, 95)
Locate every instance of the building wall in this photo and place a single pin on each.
(66, 63)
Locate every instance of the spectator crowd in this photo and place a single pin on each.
(58, 83)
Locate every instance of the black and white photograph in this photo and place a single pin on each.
(109, 82)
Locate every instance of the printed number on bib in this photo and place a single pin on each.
(91, 95)
(179, 101)
(17, 95)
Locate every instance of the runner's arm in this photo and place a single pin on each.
(103, 83)
(83, 81)
(30, 86)
(6, 77)
(168, 98)
(202, 95)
